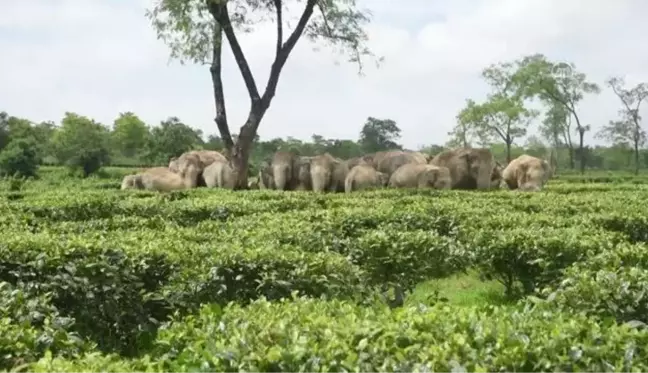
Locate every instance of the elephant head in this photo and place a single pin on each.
(435, 177)
(132, 182)
(383, 178)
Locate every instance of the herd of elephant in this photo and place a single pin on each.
(460, 168)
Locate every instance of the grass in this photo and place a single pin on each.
(460, 290)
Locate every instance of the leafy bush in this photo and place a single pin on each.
(613, 284)
(119, 288)
(31, 325)
(20, 158)
(534, 258)
(314, 336)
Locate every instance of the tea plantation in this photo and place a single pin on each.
(97, 279)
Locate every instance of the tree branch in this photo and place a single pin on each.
(331, 35)
(284, 52)
(279, 26)
(219, 96)
(218, 9)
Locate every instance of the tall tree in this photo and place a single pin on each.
(379, 134)
(194, 30)
(556, 128)
(557, 83)
(630, 125)
(503, 114)
(82, 144)
(170, 139)
(503, 118)
(130, 134)
(462, 133)
(624, 134)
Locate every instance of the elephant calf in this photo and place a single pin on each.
(362, 177)
(413, 175)
(160, 179)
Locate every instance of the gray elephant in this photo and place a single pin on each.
(327, 173)
(469, 168)
(219, 174)
(363, 177)
(291, 171)
(265, 178)
(389, 162)
(160, 179)
(413, 175)
(527, 173)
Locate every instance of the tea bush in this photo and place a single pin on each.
(204, 279)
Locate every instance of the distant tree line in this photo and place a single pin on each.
(84, 145)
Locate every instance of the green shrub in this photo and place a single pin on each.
(20, 158)
(316, 336)
(31, 325)
(533, 258)
(613, 284)
(119, 287)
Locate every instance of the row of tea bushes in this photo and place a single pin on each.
(333, 336)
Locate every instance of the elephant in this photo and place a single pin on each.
(161, 179)
(173, 164)
(496, 177)
(291, 171)
(219, 174)
(302, 174)
(208, 157)
(283, 165)
(389, 162)
(363, 177)
(469, 168)
(201, 158)
(527, 173)
(191, 161)
(265, 178)
(416, 175)
(326, 172)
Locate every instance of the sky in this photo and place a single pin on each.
(100, 58)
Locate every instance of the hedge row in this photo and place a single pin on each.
(611, 285)
(310, 335)
(204, 204)
(119, 289)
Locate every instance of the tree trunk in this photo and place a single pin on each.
(636, 152)
(240, 153)
(581, 135)
(508, 152)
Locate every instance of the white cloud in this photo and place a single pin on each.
(99, 58)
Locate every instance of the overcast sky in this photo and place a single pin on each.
(101, 57)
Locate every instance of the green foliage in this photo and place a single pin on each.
(317, 336)
(31, 325)
(130, 134)
(379, 134)
(82, 144)
(186, 26)
(157, 282)
(20, 158)
(171, 139)
(611, 285)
